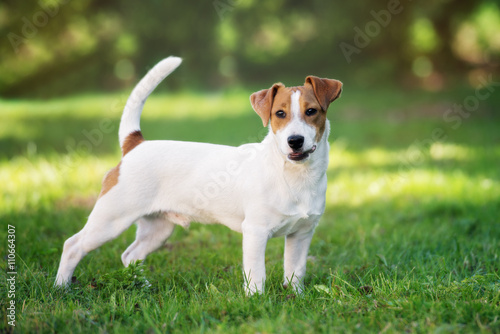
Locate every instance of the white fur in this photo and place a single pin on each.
(131, 117)
(253, 189)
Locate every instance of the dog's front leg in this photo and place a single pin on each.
(254, 266)
(296, 249)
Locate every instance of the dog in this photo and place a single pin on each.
(269, 189)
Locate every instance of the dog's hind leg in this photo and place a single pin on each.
(103, 225)
(152, 232)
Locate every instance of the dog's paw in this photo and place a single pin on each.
(61, 284)
(251, 290)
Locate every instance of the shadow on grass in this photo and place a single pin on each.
(63, 135)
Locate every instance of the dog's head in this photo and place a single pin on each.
(297, 114)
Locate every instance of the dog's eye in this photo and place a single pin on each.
(280, 114)
(311, 111)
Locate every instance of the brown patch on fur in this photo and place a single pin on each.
(262, 101)
(110, 180)
(283, 102)
(308, 100)
(316, 93)
(325, 90)
(132, 140)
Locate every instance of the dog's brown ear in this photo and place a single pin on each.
(262, 102)
(326, 90)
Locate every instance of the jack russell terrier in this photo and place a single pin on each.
(263, 190)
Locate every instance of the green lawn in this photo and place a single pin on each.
(410, 240)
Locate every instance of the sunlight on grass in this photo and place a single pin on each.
(356, 178)
(421, 186)
(48, 181)
(175, 106)
(342, 157)
(444, 151)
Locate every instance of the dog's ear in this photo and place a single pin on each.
(325, 90)
(262, 102)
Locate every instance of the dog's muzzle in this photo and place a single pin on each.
(296, 143)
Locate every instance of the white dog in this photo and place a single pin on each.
(263, 190)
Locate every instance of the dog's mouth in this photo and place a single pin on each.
(299, 156)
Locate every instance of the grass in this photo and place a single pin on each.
(410, 240)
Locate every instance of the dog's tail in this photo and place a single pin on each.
(130, 122)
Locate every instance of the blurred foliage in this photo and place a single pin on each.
(54, 47)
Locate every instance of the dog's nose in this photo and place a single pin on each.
(296, 142)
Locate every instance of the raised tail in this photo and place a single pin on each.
(131, 118)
